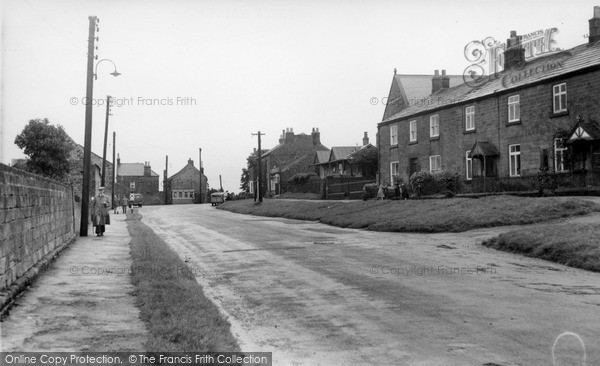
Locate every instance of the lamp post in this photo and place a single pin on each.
(87, 147)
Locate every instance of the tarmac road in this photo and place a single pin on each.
(318, 295)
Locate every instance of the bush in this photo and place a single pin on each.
(370, 191)
(447, 181)
(422, 183)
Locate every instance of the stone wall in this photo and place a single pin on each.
(38, 218)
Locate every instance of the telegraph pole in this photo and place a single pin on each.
(103, 179)
(200, 168)
(87, 146)
(166, 181)
(258, 179)
(112, 182)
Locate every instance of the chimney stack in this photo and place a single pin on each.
(515, 53)
(289, 134)
(439, 82)
(147, 170)
(282, 137)
(316, 136)
(365, 139)
(595, 26)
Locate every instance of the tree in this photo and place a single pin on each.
(48, 148)
(245, 181)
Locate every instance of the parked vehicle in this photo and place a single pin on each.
(135, 199)
(217, 198)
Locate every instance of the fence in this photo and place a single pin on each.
(349, 189)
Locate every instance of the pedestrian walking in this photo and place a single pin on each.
(124, 203)
(116, 205)
(100, 215)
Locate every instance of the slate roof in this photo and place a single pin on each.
(133, 170)
(321, 156)
(342, 152)
(416, 87)
(539, 69)
(484, 148)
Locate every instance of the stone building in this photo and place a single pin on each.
(136, 178)
(294, 154)
(184, 186)
(537, 114)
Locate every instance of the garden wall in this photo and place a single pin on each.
(38, 218)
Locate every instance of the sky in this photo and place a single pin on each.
(208, 74)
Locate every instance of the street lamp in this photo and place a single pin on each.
(114, 73)
(87, 146)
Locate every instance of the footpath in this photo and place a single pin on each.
(84, 302)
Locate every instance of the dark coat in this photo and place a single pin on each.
(99, 210)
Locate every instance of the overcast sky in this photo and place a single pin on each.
(242, 66)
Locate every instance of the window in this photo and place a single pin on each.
(394, 135)
(559, 93)
(180, 194)
(435, 163)
(514, 112)
(394, 168)
(470, 118)
(559, 156)
(514, 153)
(192, 194)
(186, 193)
(413, 131)
(131, 185)
(434, 126)
(174, 194)
(468, 166)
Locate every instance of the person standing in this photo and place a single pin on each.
(124, 203)
(100, 216)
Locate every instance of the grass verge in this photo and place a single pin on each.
(172, 304)
(444, 215)
(575, 245)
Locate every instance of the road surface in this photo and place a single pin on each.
(319, 295)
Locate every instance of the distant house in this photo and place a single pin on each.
(320, 160)
(349, 161)
(294, 154)
(184, 186)
(136, 178)
(76, 171)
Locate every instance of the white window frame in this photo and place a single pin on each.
(470, 118)
(559, 164)
(394, 171)
(191, 194)
(434, 125)
(514, 167)
(435, 163)
(412, 128)
(514, 108)
(468, 166)
(131, 185)
(558, 91)
(394, 134)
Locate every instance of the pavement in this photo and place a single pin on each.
(83, 302)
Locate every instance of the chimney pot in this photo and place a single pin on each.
(443, 72)
(437, 73)
(594, 34)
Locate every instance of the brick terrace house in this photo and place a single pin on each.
(294, 154)
(136, 178)
(539, 114)
(184, 186)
